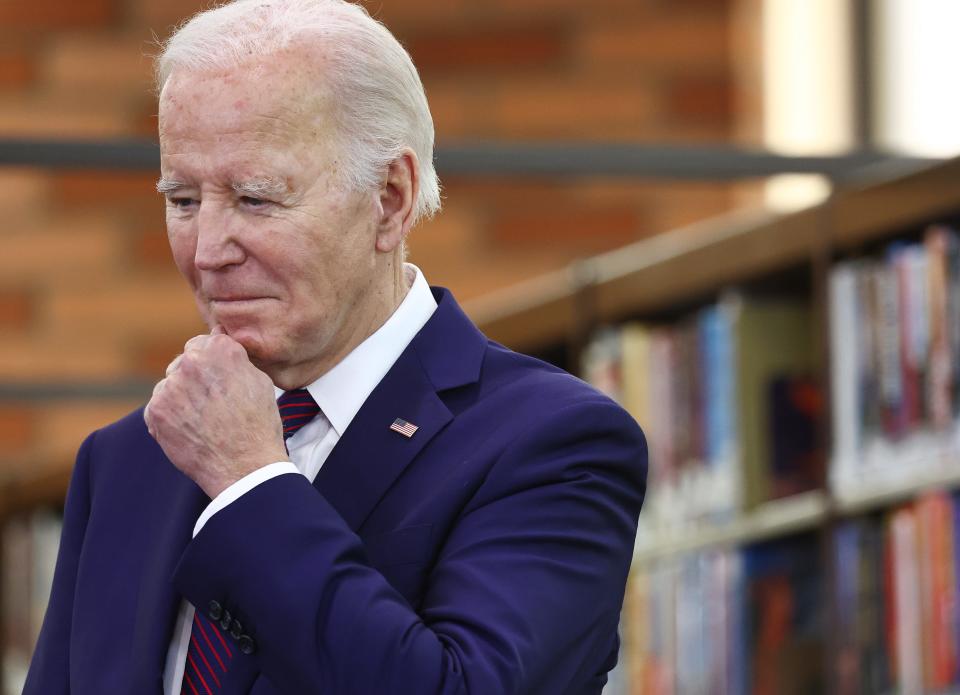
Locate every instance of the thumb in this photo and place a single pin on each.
(217, 330)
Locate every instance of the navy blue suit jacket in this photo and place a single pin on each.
(486, 554)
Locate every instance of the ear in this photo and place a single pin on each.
(398, 196)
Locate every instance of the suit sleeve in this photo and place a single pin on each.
(534, 569)
(49, 672)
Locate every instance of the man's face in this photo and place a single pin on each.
(277, 252)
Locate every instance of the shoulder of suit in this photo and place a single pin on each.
(532, 380)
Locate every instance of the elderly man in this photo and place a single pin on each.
(343, 487)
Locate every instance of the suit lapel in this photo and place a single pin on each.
(445, 354)
(369, 455)
(158, 601)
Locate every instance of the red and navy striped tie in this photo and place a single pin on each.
(209, 654)
(208, 658)
(297, 408)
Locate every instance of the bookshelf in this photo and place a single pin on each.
(889, 526)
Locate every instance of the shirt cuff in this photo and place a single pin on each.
(241, 487)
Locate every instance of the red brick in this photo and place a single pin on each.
(677, 205)
(454, 233)
(142, 307)
(61, 355)
(120, 189)
(17, 426)
(488, 49)
(404, 18)
(98, 64)
(577, 9)
(568, 108)
(17, 68)
(501, 268)
(16, 309)
(151, 358)
(55, 14)
(720, 7)
(66, 425)
(456, 108)
(579, 228)
(55, 115)
(152, 249)
(686, 133)
(144, 120)
(491, 193)
(748, 71)
(701, 99)
(61, 249)
(161, 17)
(400, 17)
(662, 44)
(23, 194)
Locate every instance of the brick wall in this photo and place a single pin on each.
(87, 289)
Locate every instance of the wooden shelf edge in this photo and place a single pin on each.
(770, 520)
(872, 498)
(872, 211)
(537, 311)
(802, 512)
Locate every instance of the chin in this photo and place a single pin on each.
(258, 349)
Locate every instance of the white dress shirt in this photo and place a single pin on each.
(340, 393)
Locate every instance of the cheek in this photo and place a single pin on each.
(183, 246)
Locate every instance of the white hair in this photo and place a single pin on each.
(379, 102)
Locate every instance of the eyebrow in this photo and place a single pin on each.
(166, 186)
(264, 187)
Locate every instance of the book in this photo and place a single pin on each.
(786, 616)
(894, 350)
(729, 403)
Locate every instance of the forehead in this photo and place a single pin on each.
(274, 102)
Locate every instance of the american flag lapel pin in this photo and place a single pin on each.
(407, 429)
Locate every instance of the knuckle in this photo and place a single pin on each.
(188, 363)
(172, 367)
(195, 341)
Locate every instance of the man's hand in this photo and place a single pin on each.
(215, 415)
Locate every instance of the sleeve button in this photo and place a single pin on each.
(225, 620)
(247, 645)
(214, 611)
(236, 629)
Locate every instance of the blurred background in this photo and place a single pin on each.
(734, 216)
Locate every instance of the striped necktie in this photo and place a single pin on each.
(209, 653)
(297, 408)
(208, 657)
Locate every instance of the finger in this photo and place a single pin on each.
(217, 330)
(195, 342)
(173, 366)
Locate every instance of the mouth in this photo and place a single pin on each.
(236, 299)
(236, 303)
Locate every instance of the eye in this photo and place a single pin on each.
(252, 202)
(181, 202)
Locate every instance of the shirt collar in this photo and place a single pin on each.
(343, 390)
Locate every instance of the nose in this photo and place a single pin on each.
(217, 245)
